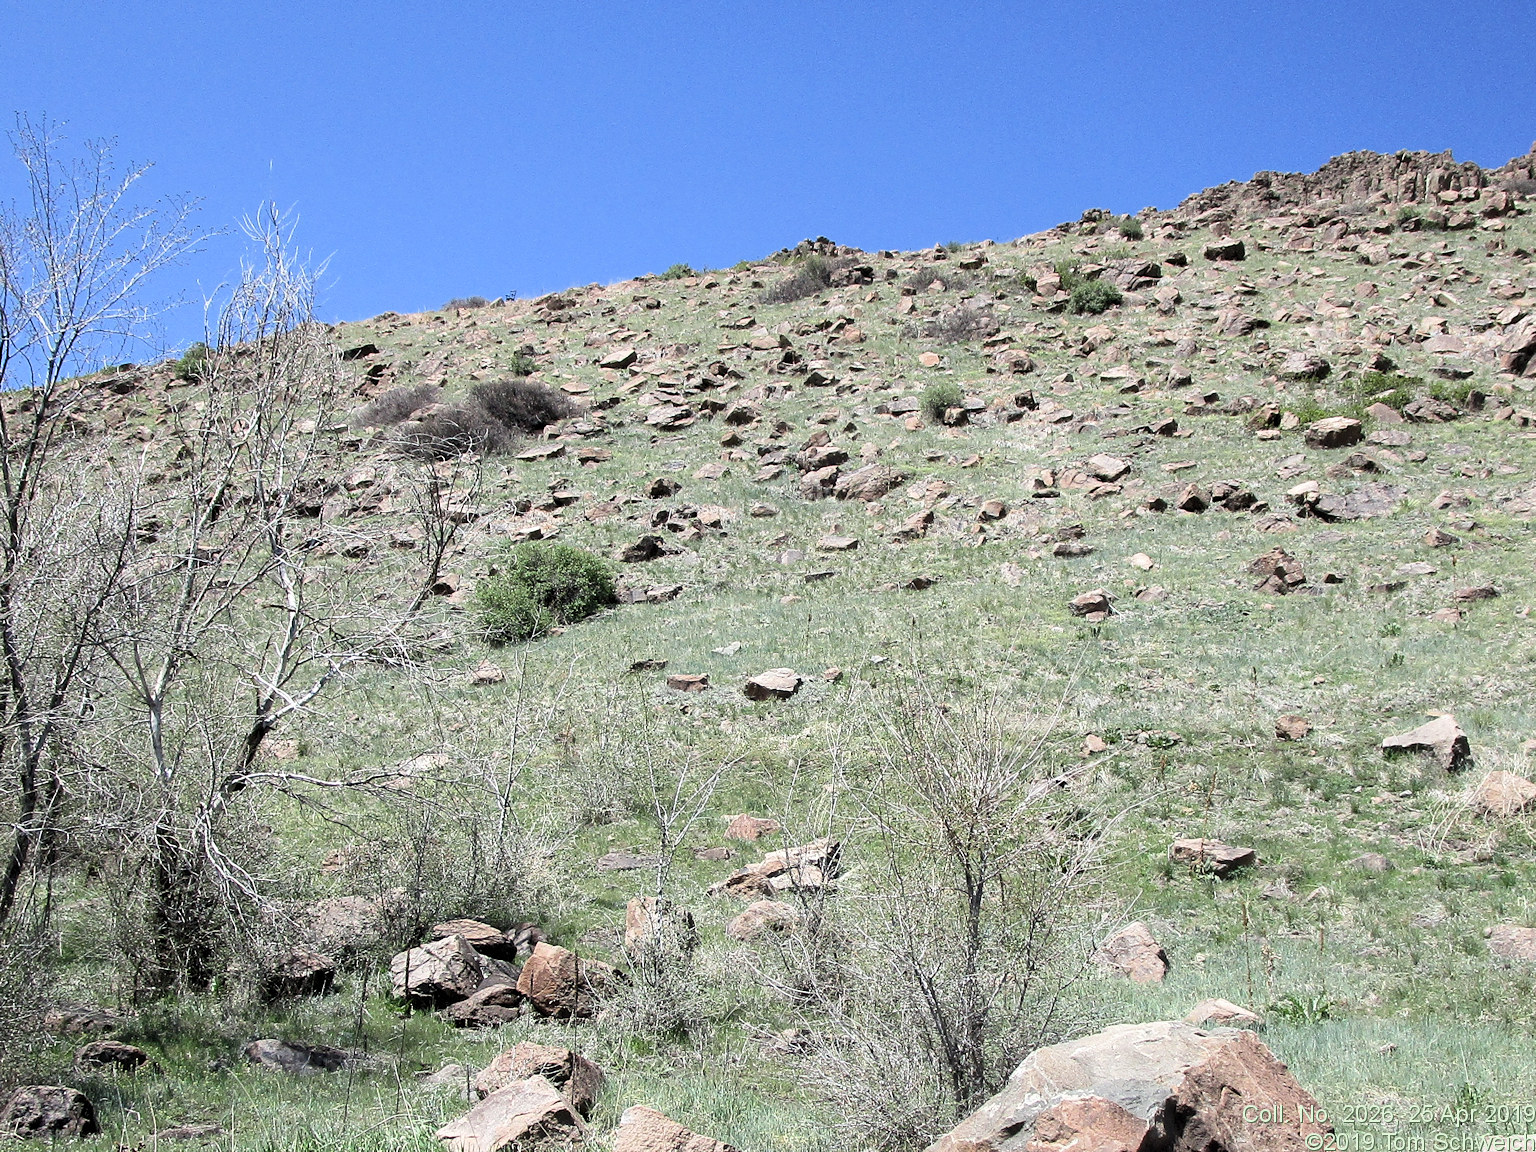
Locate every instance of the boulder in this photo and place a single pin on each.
(299, 972)
(763, 916)
(1226, 249)
(1092, 606)
(1365, 503)
(1211, 856)
(578, 1079)
(869, 483)
(1373, 862)
(343, 925)
(527, 1112)
(1223, 1013)
(488, 1007)
(48, 1111)
(1193, 499)
(438, 973)
(109, 1056)
(1279, 572)
(1108, 468)
(1441, 738)
(1305, 366)
(77, 1020)
(559, 983)
(1168, 1086)
(774, 684)
(295, 1058)
(1334, 432)
(1503, 794)
(1132, 952)
(1292, 727)
(643, 1129)
(480, 936)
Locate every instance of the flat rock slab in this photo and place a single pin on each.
(295, 1058)
(1211, 856)
(578, 1079)
(1222, 1013)
(1513, 942)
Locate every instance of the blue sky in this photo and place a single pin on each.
(443, 149)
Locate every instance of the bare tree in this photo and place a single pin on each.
(73, 266)
(240, 609)
(958, 951)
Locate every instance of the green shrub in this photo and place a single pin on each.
(1456, 392)
(1388, 388)
(544, 587)
(1093, 296)
(522, 364)
(678, 272)
(939, 397)
(192, 362)
(1130, 228)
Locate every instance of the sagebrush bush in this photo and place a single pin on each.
(465, 302)
(395, 405)
(545, 586)
(450, 430)
(939, 397)
(522, 404)
(190, 365)
(1094, 296)
(967, 322)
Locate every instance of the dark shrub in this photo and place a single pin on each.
(522, 364)
(954, 279)
(812, 274)
(678, 272)
(1130, 228)
(465, 302)
(395, 405)
(1093, 296)
(522, 404)
(966, 322)
(192, 362)
(939, 397)
(451, 430)
(545, 586)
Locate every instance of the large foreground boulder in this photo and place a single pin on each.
(437, 974)
(578, 1079)
(526, 1112)
(1441, 738)
(1168, 1086)
(643, 1129)
(47, 1111)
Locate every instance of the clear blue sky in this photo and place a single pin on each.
(450, 148)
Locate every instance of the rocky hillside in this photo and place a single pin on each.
(1233, 499)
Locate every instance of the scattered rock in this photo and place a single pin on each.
(1334, 432)
(1093, 606)
(1292, 727)
(869, 483)
(1280, 572)
(295, 1058)
(1211, 856)
(643, 1129)
(763, 916)
(749, 828)
(299, 972)
(1305, 366)
(1441, 738)
(1132, 952)
(774, 684)
(805, 867)
(1222, 1013)
(1227, 249)
(578, 1079)
(489, 1007)
(487, 672)
(109, 1056)
(1474, 593)
(1373, 862)
(688, 681)
(1512, 942)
